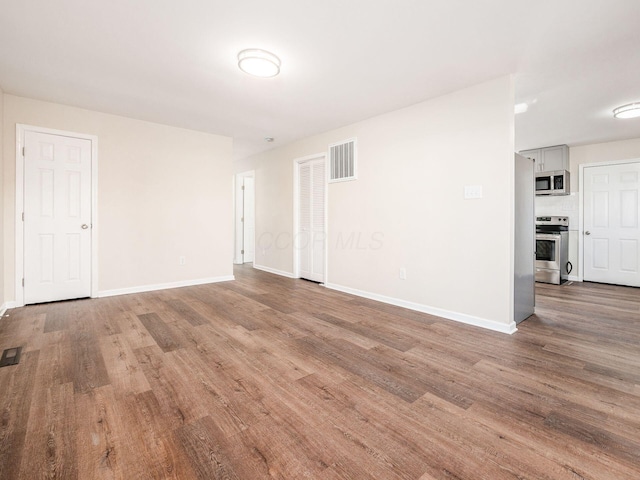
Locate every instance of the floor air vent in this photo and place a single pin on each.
(11, 356)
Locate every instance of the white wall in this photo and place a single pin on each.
(407, 210)
(601, 152)
(2, 263)
(163, 192)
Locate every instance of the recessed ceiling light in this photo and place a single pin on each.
(520, 108)
(259, 63)
(269, 139)
(631, 110)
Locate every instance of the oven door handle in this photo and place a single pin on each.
(547, 236)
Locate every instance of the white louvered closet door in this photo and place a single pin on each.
(311, 238)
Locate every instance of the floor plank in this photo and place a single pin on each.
(50, 449)
(160, 332)
(17, 385)
(89, 369)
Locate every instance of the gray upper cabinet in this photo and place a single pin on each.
(549, 159)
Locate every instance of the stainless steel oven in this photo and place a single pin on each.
(552, 250)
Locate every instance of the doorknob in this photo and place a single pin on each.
(85, 226)
(587, 232)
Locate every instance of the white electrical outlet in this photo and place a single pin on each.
(403, 273)
(182, 260)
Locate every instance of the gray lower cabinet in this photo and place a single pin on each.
(549, 159)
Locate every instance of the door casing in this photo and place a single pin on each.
(21, 129)
(296, 212)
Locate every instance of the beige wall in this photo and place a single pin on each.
(163, 192)
(407, 210)
(2, 262)
(601, 152)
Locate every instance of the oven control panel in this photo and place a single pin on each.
(553, 220)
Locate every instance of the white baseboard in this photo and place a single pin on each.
(458, 317)
(7, 306)
(274, 271)
(574, 278)
(164, 286)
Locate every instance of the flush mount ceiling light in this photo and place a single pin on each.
(631, 110)
(259, 63)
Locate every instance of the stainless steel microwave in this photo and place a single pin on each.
(552, 183)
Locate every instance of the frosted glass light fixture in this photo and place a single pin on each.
(259, 63)
(631, 110)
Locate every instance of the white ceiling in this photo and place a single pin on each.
(174, 62)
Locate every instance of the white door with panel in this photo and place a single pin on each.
(612, 224)
(57, 217)
(310, 240)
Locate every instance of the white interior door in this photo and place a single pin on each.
(57, 217)
(612, 224)
(311, 237)
(249, 220)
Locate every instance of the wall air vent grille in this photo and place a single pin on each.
(342, 158)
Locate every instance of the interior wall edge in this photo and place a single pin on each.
(3, 254)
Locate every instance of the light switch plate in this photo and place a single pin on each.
(472, 191)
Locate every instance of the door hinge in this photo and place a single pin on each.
(23, 151)
(242, 219)
(23, 282)
(23, 216)
(242, 252)
(242, 187)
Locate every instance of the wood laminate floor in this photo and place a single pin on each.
(268, 377)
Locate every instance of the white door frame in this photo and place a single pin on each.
(296, 213)
(21, 129)
(582, 166)
(238, 257)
